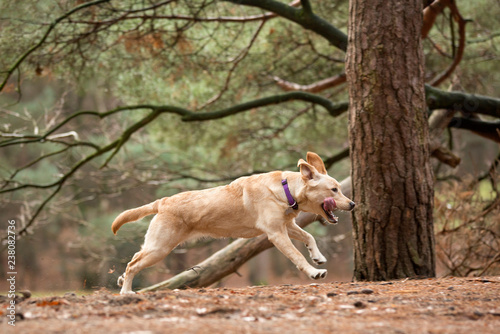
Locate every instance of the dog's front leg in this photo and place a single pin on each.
(295, 232)
(281, 240)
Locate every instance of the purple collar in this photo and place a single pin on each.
(291, 202)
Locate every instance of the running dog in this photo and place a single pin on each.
(247, 207)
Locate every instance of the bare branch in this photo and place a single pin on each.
(485, 211)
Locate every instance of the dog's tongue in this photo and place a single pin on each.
(329, 204)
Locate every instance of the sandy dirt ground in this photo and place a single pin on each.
(446, 305)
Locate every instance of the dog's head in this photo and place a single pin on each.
(322, 192)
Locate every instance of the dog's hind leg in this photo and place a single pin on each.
(159, 242)
(281, 240)
(142, 259)
(297, 233)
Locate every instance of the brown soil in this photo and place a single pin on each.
(446, 305)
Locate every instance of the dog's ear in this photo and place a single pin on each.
(317, 162)
(307, 170)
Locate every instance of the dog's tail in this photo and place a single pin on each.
(134, 214)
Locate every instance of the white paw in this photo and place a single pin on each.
(120, 280)
(318, 274)
(127, 292)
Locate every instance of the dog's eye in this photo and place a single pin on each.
(335, 190)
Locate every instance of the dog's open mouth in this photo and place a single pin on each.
(329, 205)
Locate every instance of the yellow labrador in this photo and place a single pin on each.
(247, 207)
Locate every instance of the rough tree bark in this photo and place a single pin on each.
(389, 141)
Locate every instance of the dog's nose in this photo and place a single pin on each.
(352, 204)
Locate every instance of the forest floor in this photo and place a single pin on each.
(445, 305)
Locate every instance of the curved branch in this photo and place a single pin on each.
(334, 109)
(329, 162)
(117, 144)
(24, 229)
(305, 18)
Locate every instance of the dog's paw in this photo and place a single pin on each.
(319, 260)
(128, 292)
(120, 280)
(318, 274)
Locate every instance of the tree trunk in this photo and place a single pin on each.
(389, 142)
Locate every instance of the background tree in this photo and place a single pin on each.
(107, 103)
